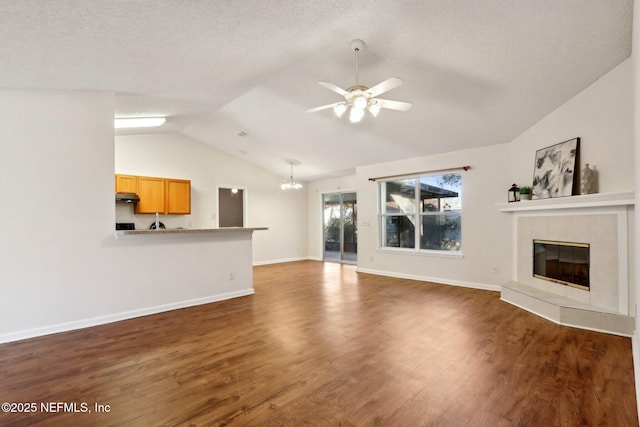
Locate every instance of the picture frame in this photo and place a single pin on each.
(554, 171)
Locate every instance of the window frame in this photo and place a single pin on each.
(418, 215)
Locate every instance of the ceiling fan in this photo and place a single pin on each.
(360, 98)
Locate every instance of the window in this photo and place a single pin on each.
(422, 213)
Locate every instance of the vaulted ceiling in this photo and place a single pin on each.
(477, 72)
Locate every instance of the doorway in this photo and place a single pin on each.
(231, 207)
(340, 234)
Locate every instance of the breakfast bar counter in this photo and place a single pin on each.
(180, 267)
(183, 231)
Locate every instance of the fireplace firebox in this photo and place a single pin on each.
(565, 263)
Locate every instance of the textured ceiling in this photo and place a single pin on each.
(477, 72)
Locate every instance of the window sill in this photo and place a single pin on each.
(423, 252)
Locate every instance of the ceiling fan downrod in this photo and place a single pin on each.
(357, 45)
(357, 68)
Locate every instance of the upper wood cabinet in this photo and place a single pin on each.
(126, 184)
(161, 195)
(152, 195)
(178, 196)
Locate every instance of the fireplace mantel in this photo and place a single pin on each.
(583, 201)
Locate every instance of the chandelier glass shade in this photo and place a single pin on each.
(291, 184)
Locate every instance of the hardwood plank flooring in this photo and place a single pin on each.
(319, 344)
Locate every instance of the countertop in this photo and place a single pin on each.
(122, 233)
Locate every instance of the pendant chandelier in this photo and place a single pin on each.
(291, 184)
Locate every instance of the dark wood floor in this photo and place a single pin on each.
(320, 344)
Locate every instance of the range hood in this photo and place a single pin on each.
(127, 198)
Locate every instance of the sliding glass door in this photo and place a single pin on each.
(340, 227)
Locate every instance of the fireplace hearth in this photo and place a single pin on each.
(565, 263)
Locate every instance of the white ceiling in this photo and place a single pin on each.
(477, 72)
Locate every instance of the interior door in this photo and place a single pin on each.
(340, 227)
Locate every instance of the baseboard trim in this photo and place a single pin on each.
(279, 261)
(439, 280)
(116, 317)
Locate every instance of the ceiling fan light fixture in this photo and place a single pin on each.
(359, 102)
(356, 114)
(339, 109)
(359, 98)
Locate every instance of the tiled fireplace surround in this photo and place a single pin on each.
(601, 220)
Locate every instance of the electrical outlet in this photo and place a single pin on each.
(494, 270)
(231, 276)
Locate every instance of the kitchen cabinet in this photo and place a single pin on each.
(161, 195)
(178, 196)
(126, 184)
(152, 195)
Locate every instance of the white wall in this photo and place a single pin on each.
(55, 167)
(61, 266)
(178, 156)
(601, 116)
(486, 234)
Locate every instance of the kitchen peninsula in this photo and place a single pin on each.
(177, 268)
(159, 232)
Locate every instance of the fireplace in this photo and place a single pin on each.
(600, 299)
(565, 263)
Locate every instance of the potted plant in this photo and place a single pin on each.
(525, 193)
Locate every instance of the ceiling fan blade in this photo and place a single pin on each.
(334, 88)
(393, 105)
(385, 86)
(324, 107)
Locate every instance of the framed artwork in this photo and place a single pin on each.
(554, 172)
